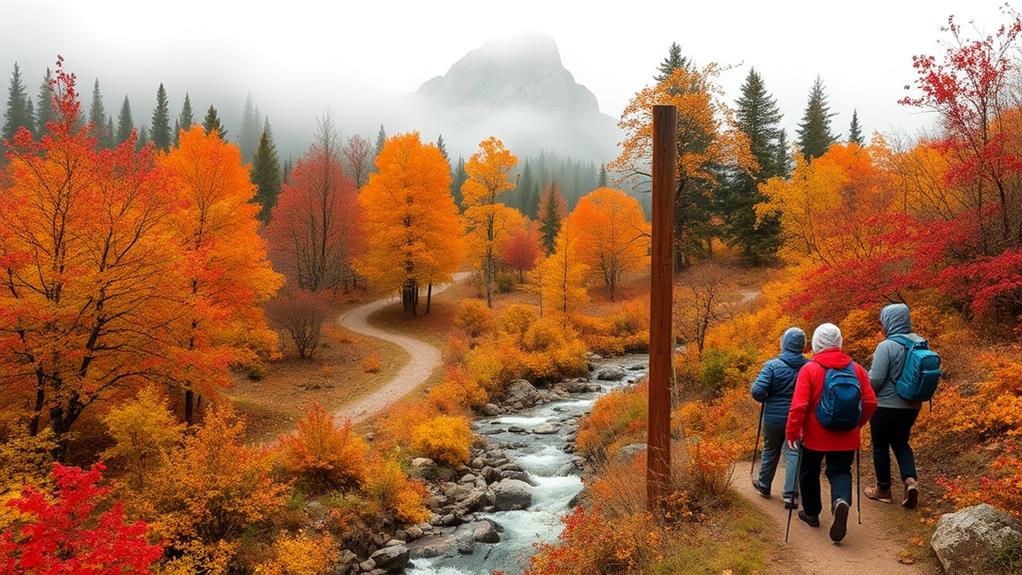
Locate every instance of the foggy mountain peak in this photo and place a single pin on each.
(518, 87)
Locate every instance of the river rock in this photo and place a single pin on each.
(367, 565)
(484, 531)
(392, 559)
(413, 532)
(475, 500)
(428, 470)
(512, 494)
(628, 452)
(491, 410)
(611, 373)
(965, 539)
(545, 429)
(432, 546)
(521, 393)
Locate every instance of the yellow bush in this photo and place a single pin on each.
(24, 460)
(517, 319)
(457, 392)
(324, 455)
(143, 429)
(395, 494)
(444, 438)
(300, 555)
(371, 363)
(474, 318)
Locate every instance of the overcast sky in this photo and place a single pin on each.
(298, 58)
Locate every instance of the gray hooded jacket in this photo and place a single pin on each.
(889, 358)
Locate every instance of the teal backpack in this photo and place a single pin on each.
(840, 406)
(920, 373)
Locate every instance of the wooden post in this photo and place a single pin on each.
(661, 341)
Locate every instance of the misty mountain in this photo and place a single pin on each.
(518, 89)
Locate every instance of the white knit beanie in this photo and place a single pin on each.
(826, 336)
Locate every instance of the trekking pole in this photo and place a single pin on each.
(798, 489)
(858, 488)
(755, 446)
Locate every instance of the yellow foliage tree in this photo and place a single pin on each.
(412, 220)
(562, 279)
(300, 555)
(490, 222)
(611, 235)
(143, 430)
(444, 438)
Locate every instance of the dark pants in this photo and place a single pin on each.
(773, 446)
(891, 429)
(839, 474)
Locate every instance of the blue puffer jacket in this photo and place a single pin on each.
(775, 384)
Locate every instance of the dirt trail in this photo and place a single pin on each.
(423, 359)
(869, 549)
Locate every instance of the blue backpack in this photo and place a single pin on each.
(840, 407)
(920, 373)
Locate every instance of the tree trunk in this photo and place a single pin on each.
(409, 297)
(429, 297)
(189, 396)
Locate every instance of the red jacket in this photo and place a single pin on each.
(802, 420)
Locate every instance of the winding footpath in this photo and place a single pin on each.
(423, 359)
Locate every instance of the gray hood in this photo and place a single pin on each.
(793, 341)
(895, 319)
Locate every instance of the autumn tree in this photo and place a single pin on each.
(143, 430)
(17, 114)
(357, 155)
(229, 275)
(67, 532)
(814, 133)
(563, 279)
(611, 236)
(159, 131)
(266, 174)
(489, 220)
(522, 250)
(708, 141)
(708, 298)
(551, 213)
(316, 230)
(409, 212)
(299, 314)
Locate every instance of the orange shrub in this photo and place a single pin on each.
(444, 438)
(1002, 393)
(617, 419)
(456, 392)
(711, 466)
(861, 331)
(390, 489)
(399, 421)
(474, 318)
(371, 363)
(299, 554)
(999, 486)
(324, 455)
(517, 319)
(593, 545)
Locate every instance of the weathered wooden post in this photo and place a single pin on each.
(661, 341)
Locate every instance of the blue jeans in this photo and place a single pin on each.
(838, 472)
(773, 446)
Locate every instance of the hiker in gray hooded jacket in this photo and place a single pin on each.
(891, 425)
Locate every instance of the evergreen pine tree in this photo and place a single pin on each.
(549, 214)
(160, 130)
(285, 176)
(143, 138)
(177, 133)
(124, 122)
(186, 119)
(601, 181)
(266, 174)
(19, 108)
(672, 62)
(442, 147)
(212, 123)
(45, 113)
(97, 117)
(855, 131)
(460, 175)
(381, 139)
(814, 135)
(757, 116)
(782, 155)
(529, 191)
(109, 132)
(250, 135)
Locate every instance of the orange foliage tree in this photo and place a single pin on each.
(707, 140)
(92, 281)
(521, 250)
(226, 269)
(490, 222)
(316, 231)
(411, 216)
(611, 235)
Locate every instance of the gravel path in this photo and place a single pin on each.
(424, 359)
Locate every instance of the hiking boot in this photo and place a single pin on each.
(880, 494)
(839, 528)
(810, 520)
(790, 502)
(911, 494)
(764, 490)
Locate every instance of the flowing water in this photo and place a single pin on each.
(555, 481)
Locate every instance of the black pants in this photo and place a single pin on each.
(891, 429)
(839, 474)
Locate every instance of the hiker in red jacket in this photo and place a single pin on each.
(833, 400)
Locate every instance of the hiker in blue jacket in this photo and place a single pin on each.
(891, 426)
(774, 388)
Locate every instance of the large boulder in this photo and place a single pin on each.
(611, 373)
(512, 494)
(522, 392)
(432, 546)
(392, 559)
(429, 470)
(546, 428)
(966, 539)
